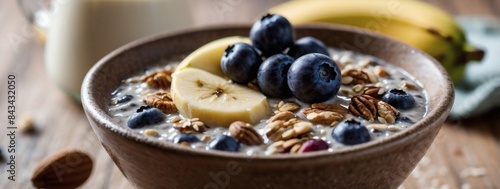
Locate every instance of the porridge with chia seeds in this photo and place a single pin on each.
(375, 100)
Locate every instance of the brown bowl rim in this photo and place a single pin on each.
(360, 150)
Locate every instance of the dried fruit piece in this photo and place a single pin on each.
(65, 169)
(314, 145)
(160, 79)
(245, 133)
(189, 126)
(162, 101)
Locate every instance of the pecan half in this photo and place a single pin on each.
(162, 101)
(355, 76)
(364, 106)
(371, 108)
(160, 79)
(245, 133)
(190, 126)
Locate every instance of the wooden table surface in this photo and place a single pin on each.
(466, 153)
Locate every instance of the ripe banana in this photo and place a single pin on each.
(214, 100)
(207, 57)
(416, 23)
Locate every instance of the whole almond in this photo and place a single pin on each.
(65, 169)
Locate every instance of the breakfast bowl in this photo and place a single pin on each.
(151, 163)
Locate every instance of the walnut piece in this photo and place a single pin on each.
(292, 128)
(287, 106)
(370, 108)
(162, 101)
(356, 76)
(160, 79)
(386, 112)
(245, 133)
(326, 114)
(190, 126)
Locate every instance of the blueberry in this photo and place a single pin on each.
(224, 143)
(147, 116)
(189, 138)
(272, 34)
(240, 62)
(124, 99)
(350, 132)
(307, 45)
(272, 76)
(314, 78)
(314, 145)
(404, 119)
(399, 99)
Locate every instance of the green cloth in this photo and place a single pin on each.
(479, 89)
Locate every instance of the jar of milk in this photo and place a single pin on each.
(84, 31)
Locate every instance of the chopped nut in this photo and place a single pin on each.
(287, 106)
(245, 133)
(364, 106)
(283, 116)
(322, 132)
(326, 114)
(151, 132)
(205, 138)
(386, 112)
(25, 124)
(302, 128)
(408, 85)
(356, 76)
(162, 101)
(364, 63)
(175, 119)
(189, 126)
(392, 128)
(370, 108)
(160, 79)
(374, 90)
(291, 146)
(381, 72)
(379, 127)
(288, 134)
(330, 107)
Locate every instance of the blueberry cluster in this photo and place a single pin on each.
(280, 66)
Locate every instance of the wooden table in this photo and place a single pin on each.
(466, 154)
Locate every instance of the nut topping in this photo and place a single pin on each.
(190, 126)
(370, 108)
(355, 76)
(364, 106)
(283, 116)
(162, 101)
(386, 112)
(326, 114)
(245, 133)
(287, 106)
(160, 79)
(381, 72)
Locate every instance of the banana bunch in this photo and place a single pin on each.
(414, 22)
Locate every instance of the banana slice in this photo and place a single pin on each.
(214, 100)
(208, 56)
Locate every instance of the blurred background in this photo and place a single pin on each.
(50, 44)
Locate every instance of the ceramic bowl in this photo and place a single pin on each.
(149, 163)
